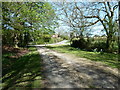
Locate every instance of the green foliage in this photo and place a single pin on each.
(26, 21)
(6, 40)
(106, 58)
(55, 40)
(99, 46)
(21, 72)
(46, 37)
(81, 43)
(65, 37)
(94, 44)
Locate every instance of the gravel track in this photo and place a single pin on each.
(68, 71)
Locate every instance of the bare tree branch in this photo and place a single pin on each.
(91, 16)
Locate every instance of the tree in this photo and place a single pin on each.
(72, 16)
(21, 21)
(80, 15)
(119, 32)
(108, 19)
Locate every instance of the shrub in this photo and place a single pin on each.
(55, 40)
(93, 45)
(81, 43)
(99, 46)
(64, 37)
(84, 45)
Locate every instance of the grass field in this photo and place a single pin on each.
(107, 58)
(23, 72)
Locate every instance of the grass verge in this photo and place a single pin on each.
(107, 58)
(23, 72)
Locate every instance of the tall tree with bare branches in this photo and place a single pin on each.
(108, 19)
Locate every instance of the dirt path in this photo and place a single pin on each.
(67, 71)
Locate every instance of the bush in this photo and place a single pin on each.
(84, 45)
(55, 40)
(64, 37)
(81, 43)
(40, 41)
(99, 46)
(93, 45)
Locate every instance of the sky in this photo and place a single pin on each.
(95, 30)
(79, 0)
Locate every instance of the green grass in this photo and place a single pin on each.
(22, 72)
(107, 58)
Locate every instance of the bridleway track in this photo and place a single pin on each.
(63, 70)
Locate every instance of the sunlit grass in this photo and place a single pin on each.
(107, 58)
(22, 72)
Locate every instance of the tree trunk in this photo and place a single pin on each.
(71, 38)
(110, 36)
(16, 41)
(109, 43)
(119, 32)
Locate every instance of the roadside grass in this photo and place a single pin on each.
(23, 72)
(107, 58)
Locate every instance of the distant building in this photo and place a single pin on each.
(55, 36)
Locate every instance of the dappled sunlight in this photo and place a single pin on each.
(59, 45)
(23, 72)
(107, 58)
(68, 70)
